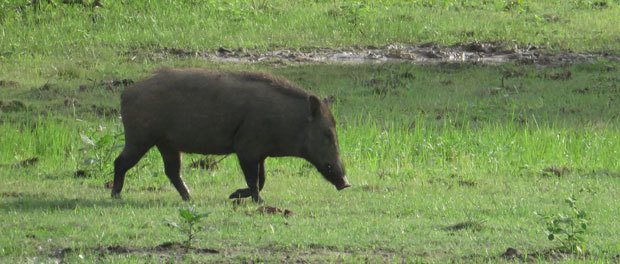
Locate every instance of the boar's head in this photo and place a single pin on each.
(320, 145)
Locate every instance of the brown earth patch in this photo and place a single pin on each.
(559, 171)
(375, 188)
(167, 248)
(466, 225)
(8, 83)
(547, 254)
(27, 162)
(106, 111)
(275, 211)
(12, 106)
(11, 194)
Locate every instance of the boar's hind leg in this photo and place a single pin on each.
(127, 159)
(172, 166)
(254, 172)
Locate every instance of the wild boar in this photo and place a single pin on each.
(254, 115)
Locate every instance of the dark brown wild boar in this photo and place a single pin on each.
(253, 115)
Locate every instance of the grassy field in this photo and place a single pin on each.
(44, 36)
(449, 162)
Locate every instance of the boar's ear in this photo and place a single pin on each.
(315, 106)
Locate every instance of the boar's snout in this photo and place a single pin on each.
(344, 184)
(335, 175)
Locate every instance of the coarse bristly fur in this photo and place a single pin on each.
(254, 115)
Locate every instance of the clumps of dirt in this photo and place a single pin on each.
(391, 83)
(111, 85)
(481, 47)
(427, 53)
(71, 102)
(26, 162)
(585, 90)
(12, 106)
(462, 181)
(561, 76)
(549, 254)
(104, 111)
(113, 250)
(169, 248)
(81, 174)
(116, 84)
(558, 171)
(329, 100)
(108, 185)
(514, 254)
(375, 188)
(11, 194)
(471, 225)
(603, 173)
(566, 110)
(454, 179)
(153, 189)
(23, 163)
(274, 211)
(382, 87)
(8, 83)
(61, 253)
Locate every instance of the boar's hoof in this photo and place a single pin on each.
(244, 193)
(257, 199)
(241, 193)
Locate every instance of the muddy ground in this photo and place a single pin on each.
(430, 53)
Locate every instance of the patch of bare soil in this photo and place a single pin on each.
(108, 185)
(375, 188)
(8, 83)
(11, 194)
(467, 225)
(559, 171)
(27, 162)
(548, 254)
(105, 111)
(23, 163)
(80, 174)
(430, 53)
(111, 85)
(275, 211)
(12, 106)
(171, 247)
(167, 248)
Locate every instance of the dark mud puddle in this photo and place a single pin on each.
(484, 53)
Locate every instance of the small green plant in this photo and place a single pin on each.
(568, 229)
(100, 149)
(190, 219)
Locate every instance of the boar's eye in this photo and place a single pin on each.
(328, 167)
(328, 136)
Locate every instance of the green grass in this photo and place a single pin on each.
(449, 162)
(79, 32)
(447, 165)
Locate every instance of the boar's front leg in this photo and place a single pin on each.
(172, 166)
(254, 172)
